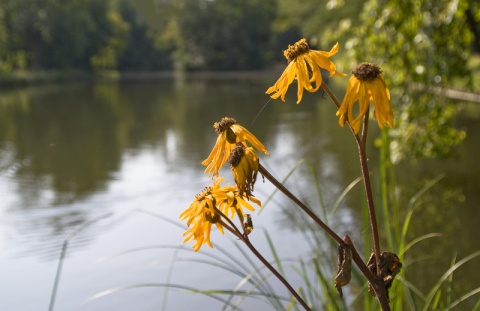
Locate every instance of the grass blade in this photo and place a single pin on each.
(446, 275)
(417, 240)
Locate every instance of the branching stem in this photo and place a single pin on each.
(376, 283)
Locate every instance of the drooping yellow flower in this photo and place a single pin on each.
(366, 84)
(304, 65)
(244, 164)
(236, 205)
(201, 214)
(229, 134)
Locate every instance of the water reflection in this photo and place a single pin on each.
(72, 137)
(64, 145)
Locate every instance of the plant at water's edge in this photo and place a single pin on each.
(218, 205)
(317, 286)
(396, 225)
(63, 253)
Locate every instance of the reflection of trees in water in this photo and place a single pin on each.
(74, 136)
(61, 144)
(65, 135)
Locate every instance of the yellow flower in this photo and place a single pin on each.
(236, 205)
(201, 214)
(304, 65)
(366, 84)
(244, 164)
(229, 134)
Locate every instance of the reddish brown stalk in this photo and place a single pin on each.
(376, 283)
(244, 238)
(378, 286)
(365, 129)
(366, 179)
(370, 203)
(361, 145)
(292, 197)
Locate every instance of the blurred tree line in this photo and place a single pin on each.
(76, 34)
(138, 35)
(131, 35)
(422, 45)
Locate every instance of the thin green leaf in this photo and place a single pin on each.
(411, 208)
(278, 262)
(465, 297)
(419, 239)
(344, 194)
(452, 269)
(436, 300)
(169, 278)
(266, 287)
(316, 182)
(410, 286)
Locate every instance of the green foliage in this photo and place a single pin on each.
(73, 34)
(50, 34)
(107, 57)
(220, 35)
(319, 21)
(129, 35)
(429, 58)
(141, 52)
(423, 47)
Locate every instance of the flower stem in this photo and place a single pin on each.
(244, 238)
(292, 197)
(361, 145)
(378, 286)
(332, 96)
(370, 202)
(276, 273)
(376, 283)
(366, 178)
(365, 128)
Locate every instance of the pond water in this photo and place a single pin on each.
(111, 166)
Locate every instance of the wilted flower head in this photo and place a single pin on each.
(244, 164)
(304, 65)
(366, 84)
(229, 134)
(202, 212)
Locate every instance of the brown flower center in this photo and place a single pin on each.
(293, 51)
(236, 155)
(366, 72)
(224, 124)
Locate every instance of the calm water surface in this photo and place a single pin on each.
(115, 163)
